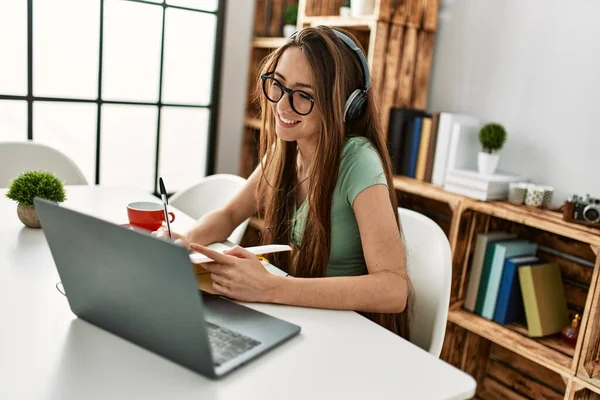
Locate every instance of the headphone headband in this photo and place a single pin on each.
(363, 61)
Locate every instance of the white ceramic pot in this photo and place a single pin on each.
(288, 30)
(345, 12)
(359, 8)
(487, 163)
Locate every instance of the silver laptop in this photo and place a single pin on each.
(144, 290)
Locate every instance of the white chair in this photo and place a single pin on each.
(18, 157)
(209, 194)
(429, 266)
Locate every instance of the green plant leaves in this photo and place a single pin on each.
(492, 137)
(30, 184)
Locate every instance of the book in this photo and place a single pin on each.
(474, 193)
(496, 183)
(544, 299)
(197, 258)
(398, 129)
(509, 306)
(443, 140)
(435, 119)
(501, 252)
(411, 148)
(482, 245)
(423, 149)
(203, 276)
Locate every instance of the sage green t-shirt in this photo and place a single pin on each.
(360, 168)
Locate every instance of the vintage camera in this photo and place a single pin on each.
(582, 210)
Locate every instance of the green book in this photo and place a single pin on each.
(544, 299)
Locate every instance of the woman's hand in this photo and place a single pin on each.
(178, 239)
(239, 274)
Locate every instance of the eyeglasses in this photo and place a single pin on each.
(302, 103)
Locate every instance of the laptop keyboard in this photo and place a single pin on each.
(226, 344)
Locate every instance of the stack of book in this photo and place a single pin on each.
(508, 283)
(425, 146)
(479, 186)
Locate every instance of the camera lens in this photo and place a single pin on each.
(591, 213)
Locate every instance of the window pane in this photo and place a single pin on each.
(70, 128)
(208, 5)
(128, 150)
(183, 146)
(65, 61)
(189, 53)
(13, 47)
(13, 120)
(131, 64)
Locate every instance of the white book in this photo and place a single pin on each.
(474, 193)
(496, 183)
(443, 141)
(198, 258)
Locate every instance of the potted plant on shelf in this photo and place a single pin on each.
(31, 184)
(360, 8)
(289, 19)
(345, 9)
(492, 137)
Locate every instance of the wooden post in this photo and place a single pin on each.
(391, 72)
(407, 68)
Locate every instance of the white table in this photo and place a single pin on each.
(48, 353)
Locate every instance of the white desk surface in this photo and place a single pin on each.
(46, 352)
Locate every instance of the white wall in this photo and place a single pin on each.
(533, 66)
(239, 17)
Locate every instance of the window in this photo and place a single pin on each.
(126, 88)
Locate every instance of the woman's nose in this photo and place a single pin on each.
(283, 105)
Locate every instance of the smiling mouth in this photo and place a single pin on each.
(287, 123)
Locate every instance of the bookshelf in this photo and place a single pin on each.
(506, 362)
(397, 37)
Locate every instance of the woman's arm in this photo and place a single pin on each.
(384, 289)
(217, 225)
(239, 275)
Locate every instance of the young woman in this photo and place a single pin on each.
(323, 186)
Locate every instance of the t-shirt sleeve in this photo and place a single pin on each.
(360, 168)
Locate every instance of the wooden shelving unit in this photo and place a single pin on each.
(268, 42)
(506, 362)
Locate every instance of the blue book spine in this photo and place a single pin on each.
(509, 305)
(414, 147)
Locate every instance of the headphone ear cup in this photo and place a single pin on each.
(354, 105)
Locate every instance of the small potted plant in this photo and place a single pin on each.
(31, 184)
(290, 18)
(491, 137)
(345, 9)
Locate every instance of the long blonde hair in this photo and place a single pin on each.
(336, 74)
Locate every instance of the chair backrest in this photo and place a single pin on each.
(18, 157)
(208, 194)
(429, 266)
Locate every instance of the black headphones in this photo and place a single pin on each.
(357, 99)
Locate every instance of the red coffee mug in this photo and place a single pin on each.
(147, 215)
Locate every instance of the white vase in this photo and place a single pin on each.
(288, 30)
(345, 12)
(359, 8)
(487, 162)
